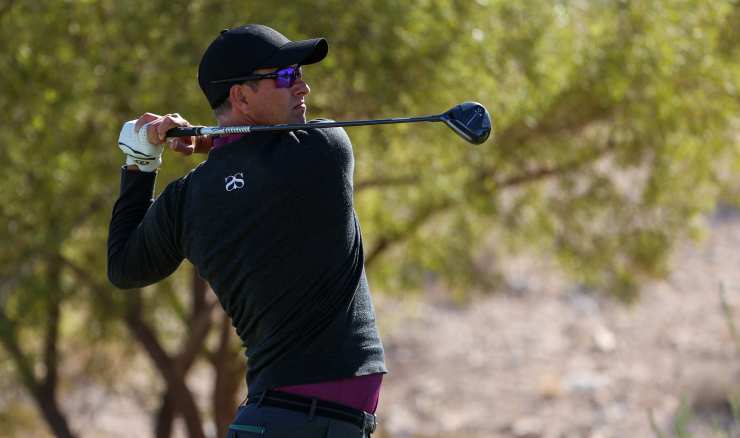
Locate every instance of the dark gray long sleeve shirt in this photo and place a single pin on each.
(269, 222)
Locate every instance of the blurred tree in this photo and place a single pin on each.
(615, 131)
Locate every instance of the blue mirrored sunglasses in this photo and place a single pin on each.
(284, 78)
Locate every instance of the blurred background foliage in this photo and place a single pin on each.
(616, 128)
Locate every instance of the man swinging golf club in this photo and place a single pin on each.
(268, 221)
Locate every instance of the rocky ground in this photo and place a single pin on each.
(548, 359)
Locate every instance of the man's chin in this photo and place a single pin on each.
(299, 115)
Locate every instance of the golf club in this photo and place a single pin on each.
(470, 120)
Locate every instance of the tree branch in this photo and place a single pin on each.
(390, 238)
(545, 172)
(8, 338)
(200, 323)
(542, 173)
(382, 182)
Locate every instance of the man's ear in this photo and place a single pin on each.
(240, 99)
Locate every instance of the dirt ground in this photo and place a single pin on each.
(549, 359)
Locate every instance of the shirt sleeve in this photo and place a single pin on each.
(336, 144)
(142, 242)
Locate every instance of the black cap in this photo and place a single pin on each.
(239, 52)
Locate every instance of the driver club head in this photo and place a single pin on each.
(470, 120)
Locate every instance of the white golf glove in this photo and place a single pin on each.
(140, 152)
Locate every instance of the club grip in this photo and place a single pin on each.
(183, 132)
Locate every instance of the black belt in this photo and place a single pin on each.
(315, 406)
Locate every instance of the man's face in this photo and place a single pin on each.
(278, 106)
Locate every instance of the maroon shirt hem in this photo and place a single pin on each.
(361, 392)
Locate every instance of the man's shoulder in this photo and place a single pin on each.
(335, 135)
(330, 142)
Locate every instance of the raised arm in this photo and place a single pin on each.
(143, 242)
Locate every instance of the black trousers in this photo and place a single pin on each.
(270, 422)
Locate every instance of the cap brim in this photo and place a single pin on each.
(298, 52)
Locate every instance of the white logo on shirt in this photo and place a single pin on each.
(234, 182)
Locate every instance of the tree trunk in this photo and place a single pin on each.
(45, 393)
(184, 401)
(229, 374)
(200, 325)
(166, 416)
(53, 416)
(199, 291)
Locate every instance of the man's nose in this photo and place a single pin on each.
(301, 88)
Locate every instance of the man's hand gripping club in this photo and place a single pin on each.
(144, 146)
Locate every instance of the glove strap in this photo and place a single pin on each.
(144, 165)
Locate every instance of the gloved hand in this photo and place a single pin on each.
(140, 152)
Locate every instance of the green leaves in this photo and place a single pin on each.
(600, 110)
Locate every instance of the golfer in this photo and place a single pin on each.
(268, 220)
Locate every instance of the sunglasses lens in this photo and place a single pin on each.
(286, 78)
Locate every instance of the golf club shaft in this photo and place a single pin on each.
(201, 130)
